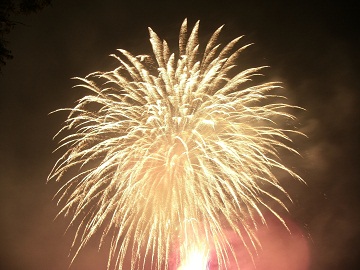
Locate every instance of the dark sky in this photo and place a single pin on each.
(312, 48)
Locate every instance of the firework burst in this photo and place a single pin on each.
(170, 149)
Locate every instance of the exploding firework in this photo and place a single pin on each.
(169, 150)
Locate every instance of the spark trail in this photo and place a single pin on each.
(170, 148)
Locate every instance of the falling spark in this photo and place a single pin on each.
(167, 145)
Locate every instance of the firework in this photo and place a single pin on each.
(170, 149)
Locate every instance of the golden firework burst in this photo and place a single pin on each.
(172, 150)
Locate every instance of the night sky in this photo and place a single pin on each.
(314, 49)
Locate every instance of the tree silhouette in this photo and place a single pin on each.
(9, 8)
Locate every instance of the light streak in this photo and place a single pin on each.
(160, 142)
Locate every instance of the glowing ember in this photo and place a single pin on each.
(196, 258)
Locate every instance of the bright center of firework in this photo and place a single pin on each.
(196, 259)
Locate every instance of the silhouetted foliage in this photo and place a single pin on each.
(9, 8)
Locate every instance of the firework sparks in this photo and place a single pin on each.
(197, 259)
(160, 144)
